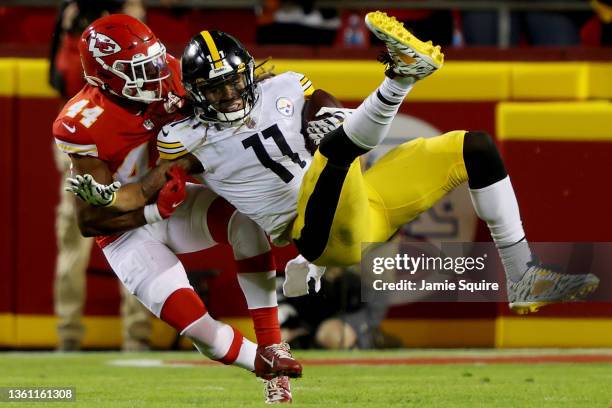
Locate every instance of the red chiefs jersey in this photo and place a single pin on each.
(93, 124)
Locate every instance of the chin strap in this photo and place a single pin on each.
(233, 117)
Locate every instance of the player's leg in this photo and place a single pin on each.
(332, 210)
(411, 178)
(206, 219)
(495, 203)
(257, 279)
(153, 273)
(408, 60)
(432, 167)
(332, 218)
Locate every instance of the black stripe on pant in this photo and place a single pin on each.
(320, 211)
(323, 201)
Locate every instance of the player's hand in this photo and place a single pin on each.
(173, 103)
(92, 192)
(298, 273)
(172, 194)
(331, 119)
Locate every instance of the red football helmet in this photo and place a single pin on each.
(121, 54)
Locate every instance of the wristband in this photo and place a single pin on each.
(151, 213)
(112, 201)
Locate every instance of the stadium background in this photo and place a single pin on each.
(547, 107)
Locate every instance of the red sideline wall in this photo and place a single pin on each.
(7, 203)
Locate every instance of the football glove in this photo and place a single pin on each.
(334, 117)
(298, 273)
(92, 192)
(170, 197)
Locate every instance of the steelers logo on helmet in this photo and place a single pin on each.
(218, 74)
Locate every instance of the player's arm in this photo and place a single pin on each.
(137, 195)
(93, 220)
(134, 195)
(154, 180)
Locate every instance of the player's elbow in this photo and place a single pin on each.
(86, 225)
(87, 230)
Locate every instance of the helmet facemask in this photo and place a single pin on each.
(143, 74)
(227, 98)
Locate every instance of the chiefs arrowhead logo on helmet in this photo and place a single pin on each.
(101, 45)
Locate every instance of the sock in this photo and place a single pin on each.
(182, 308)
(221, 342)
(370, 122)
(267, 328)
(496, 205)
(256, 276)
(259, 289)
(185, 311)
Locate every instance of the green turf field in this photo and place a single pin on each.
(103, 380)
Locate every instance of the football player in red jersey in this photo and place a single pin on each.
(108, 129)
(73, 250)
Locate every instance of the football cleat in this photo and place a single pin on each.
(541, 286)
(278, 391)
(276, 360)
(408, 56)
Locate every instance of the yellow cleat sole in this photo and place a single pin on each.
(527, 307)
(389, 26)
(523, 308)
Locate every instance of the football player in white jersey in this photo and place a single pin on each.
(244, 142)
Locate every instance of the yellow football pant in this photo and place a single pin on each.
(372, 206)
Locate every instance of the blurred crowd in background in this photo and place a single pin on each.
(300, 22)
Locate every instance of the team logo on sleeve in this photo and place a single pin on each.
(101, 45)
(284, 106)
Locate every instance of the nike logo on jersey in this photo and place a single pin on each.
(174, 205)
(71, 129)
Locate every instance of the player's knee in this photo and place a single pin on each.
(153, 291)
(478, 144)
(483, 162)
(247, 238)
(339, 149)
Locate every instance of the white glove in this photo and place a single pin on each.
(92, 192)
(298, 273)
(316, 129)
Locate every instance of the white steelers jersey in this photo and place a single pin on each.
(257, 167)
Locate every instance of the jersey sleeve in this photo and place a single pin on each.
(73, 139)
(169, 145)
(305, 83)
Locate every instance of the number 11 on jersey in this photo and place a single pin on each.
(273, 132)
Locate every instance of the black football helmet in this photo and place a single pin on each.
(218, 74)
